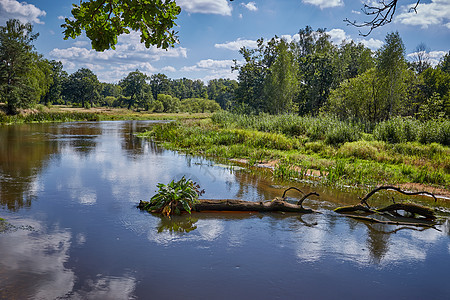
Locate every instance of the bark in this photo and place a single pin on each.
(276, 205)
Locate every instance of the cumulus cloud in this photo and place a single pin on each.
(372, 43)
(435, 13)
(325, 3)
(337, 36)
(113, 65)
(214, 69)
(218, 7)
(12, 9)
(250, 6)
(238, 44)
(433, 56)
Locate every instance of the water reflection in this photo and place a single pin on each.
(34, 261)
(24, 153)
(89, 238)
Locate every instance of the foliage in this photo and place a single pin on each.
(24, 75)
(135, 87)
(82, 87)
(166, 200)
(169, 103)
(198, 105)
(103, 21)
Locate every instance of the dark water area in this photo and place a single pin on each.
(69, 193)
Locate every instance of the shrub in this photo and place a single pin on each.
(166, 200)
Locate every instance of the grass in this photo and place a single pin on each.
(342, 152)
(62, 113)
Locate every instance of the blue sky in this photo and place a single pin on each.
(212, 31)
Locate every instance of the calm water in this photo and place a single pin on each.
(70, 191)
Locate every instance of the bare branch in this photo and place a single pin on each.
(382, 14)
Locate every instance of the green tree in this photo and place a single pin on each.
(391, 68)
(160, 84)
(281, 83)
(444, 63)
(135, 87)
(317, 58)
(53, 96)
(104, 20)
(17, 70)
(222, 91)
(170, 104)
(82, 87)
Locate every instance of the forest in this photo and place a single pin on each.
(310, 76)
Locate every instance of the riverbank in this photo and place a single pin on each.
(364, 161)
(63, 113)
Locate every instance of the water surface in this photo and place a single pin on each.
(70, 192)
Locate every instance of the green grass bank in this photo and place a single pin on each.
(399, 151)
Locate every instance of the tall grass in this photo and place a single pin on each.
(333, 131)
(40, 117)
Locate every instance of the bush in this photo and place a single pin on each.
(397, 130)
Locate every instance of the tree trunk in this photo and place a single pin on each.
(241, 205)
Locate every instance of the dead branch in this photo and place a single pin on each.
(388, 187)
(412, 208)
(389, 222)
(300, 202)
(382, 14)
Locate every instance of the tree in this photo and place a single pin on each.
(105, 20)
(136, 88)
(391, 72)
(170, 104)
(444, 63)
(160, 84)
(317, 58)
(82, 87)
(16, 68)
(281, 83)
(421, 58)
(53, 95)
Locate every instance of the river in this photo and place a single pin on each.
(69, 191)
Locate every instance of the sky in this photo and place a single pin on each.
(211, 32)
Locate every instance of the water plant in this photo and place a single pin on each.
(166, 201)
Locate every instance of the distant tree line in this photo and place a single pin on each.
(307, 76)
(311, 75)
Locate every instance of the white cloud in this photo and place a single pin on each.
(219, 7)
(433, 56)
(113, 65)
(325, 3)
(372, 43)
(337, 36)
(356, 12)
(213, 68)
(250, 6)
(169, 69)
(12, 9)
(435, 13)
(238, 44)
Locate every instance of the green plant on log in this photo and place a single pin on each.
(166, 201)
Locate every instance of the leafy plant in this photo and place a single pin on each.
(184, 192)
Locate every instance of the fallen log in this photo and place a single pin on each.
(392, 222)
(276, 205)
(412, 208)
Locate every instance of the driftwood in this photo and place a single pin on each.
(391, 211)
(275, 205)
(391, 222)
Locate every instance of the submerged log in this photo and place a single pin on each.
(241, 205)
(412, 208)
(276, 205)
